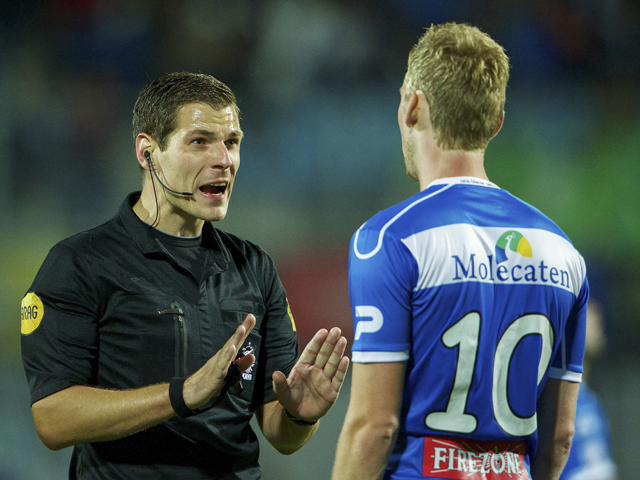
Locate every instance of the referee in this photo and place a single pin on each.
(150, 341)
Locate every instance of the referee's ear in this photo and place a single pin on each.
(144, 143)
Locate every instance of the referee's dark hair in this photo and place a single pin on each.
(156, 109)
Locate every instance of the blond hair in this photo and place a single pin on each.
(463, 74)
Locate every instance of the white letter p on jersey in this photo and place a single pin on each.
(368, 326)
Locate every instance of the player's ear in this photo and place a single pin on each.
(499, 126)
(413, 108)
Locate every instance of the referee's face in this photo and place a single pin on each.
(202, 157)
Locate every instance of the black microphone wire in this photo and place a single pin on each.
(186, 194)
(155, 192)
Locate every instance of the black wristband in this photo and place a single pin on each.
(177, 399)
(297, 420)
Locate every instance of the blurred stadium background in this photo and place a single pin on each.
(317, 82)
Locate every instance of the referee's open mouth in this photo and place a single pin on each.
(214, 190)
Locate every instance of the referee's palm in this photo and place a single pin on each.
(315, 380)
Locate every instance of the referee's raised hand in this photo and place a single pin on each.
(315, 380)
(208, 382)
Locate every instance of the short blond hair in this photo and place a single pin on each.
(463, 74)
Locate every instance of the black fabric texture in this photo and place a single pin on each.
(121, 312)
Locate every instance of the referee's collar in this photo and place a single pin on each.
(140, 232)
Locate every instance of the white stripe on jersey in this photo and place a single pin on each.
(467, 253)
(379, 357)
(364, 256)
(567, 375)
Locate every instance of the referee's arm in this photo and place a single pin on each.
(284, 435)
(82, 414)
(307, 394)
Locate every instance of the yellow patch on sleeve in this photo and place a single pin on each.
(31, 313)
(293, 324)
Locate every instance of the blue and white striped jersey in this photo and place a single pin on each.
(483, 296)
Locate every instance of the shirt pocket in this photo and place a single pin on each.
(233, 314)
(143, 341)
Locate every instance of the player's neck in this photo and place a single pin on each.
(452, 163)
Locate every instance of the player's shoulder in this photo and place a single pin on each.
(542, 233)
(390, 226)
(449, 204)
(444, 202)
(394, 217)
(484, 204)
(529, 216)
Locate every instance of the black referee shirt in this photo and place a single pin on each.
(114, 309)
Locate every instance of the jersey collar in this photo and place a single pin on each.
(217, 258)
(480, 182)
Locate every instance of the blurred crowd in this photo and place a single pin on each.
(71, 69)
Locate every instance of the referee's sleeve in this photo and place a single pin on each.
(60, 350)
(280, 341)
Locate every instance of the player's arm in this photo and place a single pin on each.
(307, 394)
(81, 414)
(556, 417)
(372, 421)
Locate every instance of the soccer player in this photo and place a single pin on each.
(468, 304)
(149, 342)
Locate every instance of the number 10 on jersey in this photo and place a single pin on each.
(465, 335)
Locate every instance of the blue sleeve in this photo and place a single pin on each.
(382, 275)
(567, 364)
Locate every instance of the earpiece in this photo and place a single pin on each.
(147, 155)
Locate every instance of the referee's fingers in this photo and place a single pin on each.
(310, 352)
(248, 323)
(333, 361)
(228, 352)
(338, 379)
(326, 353)
(241, 333)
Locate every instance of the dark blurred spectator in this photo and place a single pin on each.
(590, 457)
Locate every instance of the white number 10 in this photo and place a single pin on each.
(465, 335)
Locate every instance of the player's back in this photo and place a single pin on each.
(482, 297)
